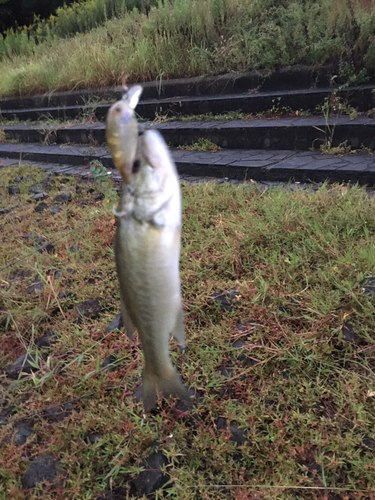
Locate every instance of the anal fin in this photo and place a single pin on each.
(128, 324)
(178, 331)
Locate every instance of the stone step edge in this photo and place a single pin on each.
(59, 169)
(282, 79)
(309, 121)
(288, 133)
(291, 99)
(277, 166)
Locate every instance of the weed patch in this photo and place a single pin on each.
(274, 112)
(202, 145)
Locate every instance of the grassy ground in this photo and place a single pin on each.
(302, 393)
(194, 38)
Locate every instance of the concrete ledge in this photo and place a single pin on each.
(274, 134)
(282, 79)
(258, 165)
(360, 98)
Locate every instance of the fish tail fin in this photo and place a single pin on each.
(169, 385)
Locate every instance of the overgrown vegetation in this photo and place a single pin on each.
(78, 17)
(186, 38)
(274, 112)
(301, 389)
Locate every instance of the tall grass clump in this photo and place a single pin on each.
(78, 17)
(183, 38)
(84, 16)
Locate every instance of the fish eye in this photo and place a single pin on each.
(136, 166)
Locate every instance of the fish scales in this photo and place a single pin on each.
(148, 278)
(147, 246)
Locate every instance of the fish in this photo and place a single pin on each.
(147, 247)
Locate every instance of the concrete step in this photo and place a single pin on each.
(258, 165)
(286, 133)
(284, 79)
(360, 98)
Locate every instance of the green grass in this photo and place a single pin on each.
(274, 112)
(202, 145)
(78, 17)
(306, 403)
(194, 38)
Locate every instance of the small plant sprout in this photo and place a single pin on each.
(99, 171)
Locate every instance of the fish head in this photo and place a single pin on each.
(155, 182)
(122, 132)
(153, 168)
